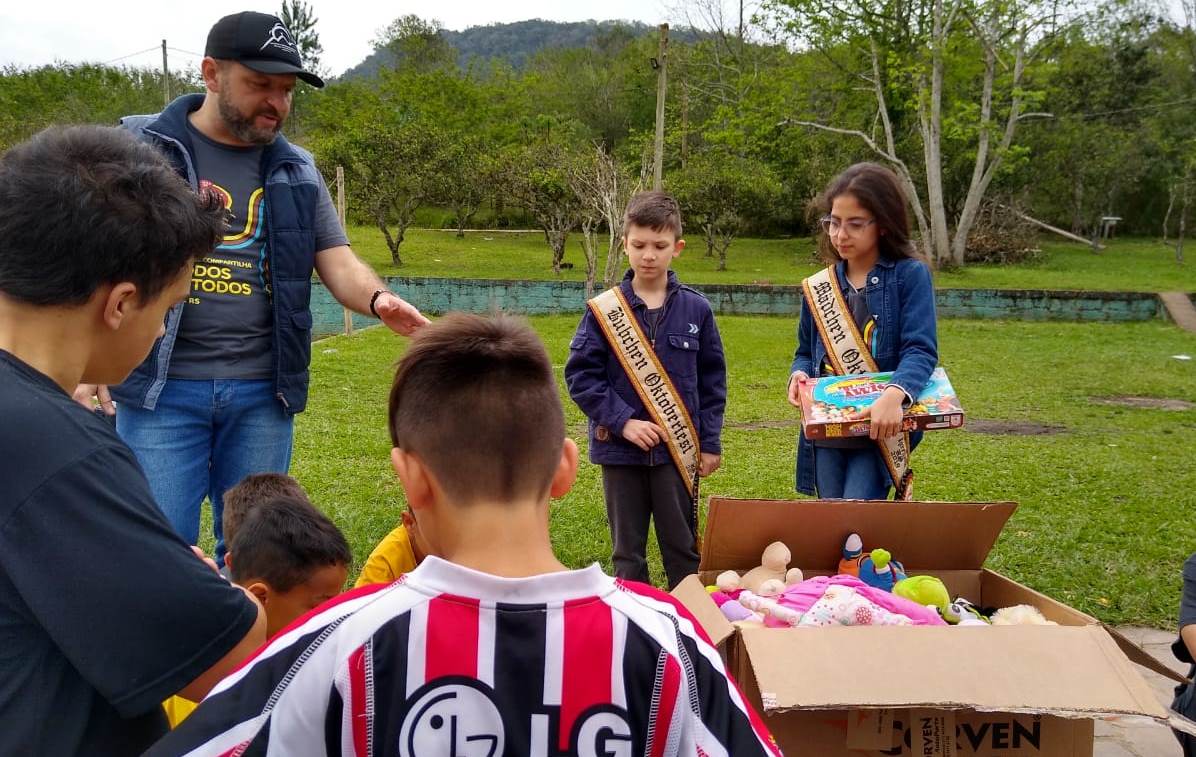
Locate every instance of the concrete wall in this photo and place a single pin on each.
(545, 297)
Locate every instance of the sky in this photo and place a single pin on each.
(33, 34)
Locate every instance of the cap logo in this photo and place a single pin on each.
(281, 38)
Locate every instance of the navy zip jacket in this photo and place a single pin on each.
(901, 296)
(686, 340)
(292, 188)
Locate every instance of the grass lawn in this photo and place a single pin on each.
(1108, 504)
(1131, 265)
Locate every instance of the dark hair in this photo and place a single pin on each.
(877, 189)
(282, 541)
(251, 490)
(84, 206)
(654, 210)
(476, 400)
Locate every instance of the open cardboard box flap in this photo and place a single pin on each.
(1068, 671)
(922, 535)
(693, 595)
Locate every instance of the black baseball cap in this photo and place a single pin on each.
(258, 41)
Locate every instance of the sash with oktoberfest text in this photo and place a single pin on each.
(848, 353)
(652, 383)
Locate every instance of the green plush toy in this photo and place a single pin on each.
(925, 590)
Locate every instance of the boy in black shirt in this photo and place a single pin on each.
(104, 610)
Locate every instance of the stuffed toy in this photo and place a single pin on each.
(961, 612)
(1020, 615)
(925, 590)
(879, 569)
(800, 598)
(853, 552)
(727, 598)
(845, 606)
(774, 564)
(732, 610)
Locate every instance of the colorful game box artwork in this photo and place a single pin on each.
(828, 402)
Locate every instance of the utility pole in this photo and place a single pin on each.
(662, 68)
(684, 124)
(165, 77)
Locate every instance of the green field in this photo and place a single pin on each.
(1131, 265)
(1108, 498)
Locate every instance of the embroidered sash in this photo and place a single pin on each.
(651, 382)
(848, 353)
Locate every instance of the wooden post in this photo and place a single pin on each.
(661, 88)
(165, 77)
(340, 212)
(684, 124)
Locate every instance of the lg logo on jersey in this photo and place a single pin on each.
(460, 719)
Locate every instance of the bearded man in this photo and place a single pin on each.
(216, 399)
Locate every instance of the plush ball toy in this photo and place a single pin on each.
(879, 569)
(925, 590)
(1020, 615)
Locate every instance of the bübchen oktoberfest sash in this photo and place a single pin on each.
(848, 353)
(652, 383)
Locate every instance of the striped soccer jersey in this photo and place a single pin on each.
(456, 663)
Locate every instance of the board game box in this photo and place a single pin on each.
(827, 402)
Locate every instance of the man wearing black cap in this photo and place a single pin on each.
(215, 400)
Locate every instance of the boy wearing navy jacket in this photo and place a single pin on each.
(639, 478)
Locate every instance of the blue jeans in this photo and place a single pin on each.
(204, 437)
(850, 473)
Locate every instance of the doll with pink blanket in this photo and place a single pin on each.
(838, 600)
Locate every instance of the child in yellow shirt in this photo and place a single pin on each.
(398, 553)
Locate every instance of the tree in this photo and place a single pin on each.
(923, 54)
(71, 93)
(300, 18)
(603, 187)
(537, 176)
(388, 170)
(465, 177)
(720, 194)
(416, 44)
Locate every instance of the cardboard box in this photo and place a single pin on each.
(926, 691)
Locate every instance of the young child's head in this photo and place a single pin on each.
(652, 234)
(476, 420)
(99, 232)
(862, 211)
(249, 491)
(290, 556)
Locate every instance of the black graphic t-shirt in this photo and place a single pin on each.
(226, 328)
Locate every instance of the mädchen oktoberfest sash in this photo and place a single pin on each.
(848, 353)
(651, 382)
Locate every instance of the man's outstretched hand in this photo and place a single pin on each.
(399, 315)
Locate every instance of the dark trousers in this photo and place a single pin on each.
(636, 493)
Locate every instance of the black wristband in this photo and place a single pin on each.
(374, 302)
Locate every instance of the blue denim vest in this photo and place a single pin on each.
(291, 186)
(901, 297)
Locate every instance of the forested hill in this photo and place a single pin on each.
(516, 42)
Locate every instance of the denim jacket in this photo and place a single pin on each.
(292, 188)
(901, 297)
(686, 340)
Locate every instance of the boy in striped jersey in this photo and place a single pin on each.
(495, 647)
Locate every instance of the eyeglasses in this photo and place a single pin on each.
(854, 227)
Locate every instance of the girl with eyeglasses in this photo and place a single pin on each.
(888, 295)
